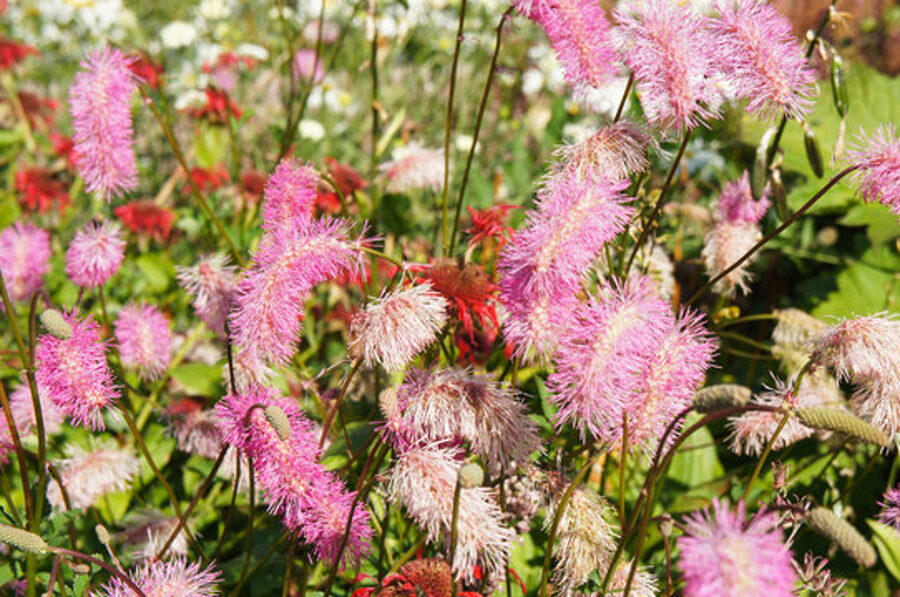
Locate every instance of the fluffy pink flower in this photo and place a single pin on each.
(455, 405)
(174, 578)
(211, 285)
(310, 500)
(307, 67)
(22, 408)
(725, 555)
(24, 259)
(95, 254)
(579, 33)
(616, 150)
(394, 329)
(603, 355)
(290, 195)
(100, 104)
(423, 480)
(75, 373)
(145, 340)
(890, 508)
(736, 204)
(197, 432)
(88, 475)
(759, 56)
(414, 167)
(669, 51)
(542, 266)
(878, 158)
(268, 311)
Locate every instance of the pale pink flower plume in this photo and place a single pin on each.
(579, 33)
(75, 374)
(602, 359)
(307, 67)
(24, 259)
(211, 285)
(414, 167)
(543, 265)
(725, 555)
(91, 474)
(311, 501)
(890, 508)
(197, 432)
(95, 254)
(669, 52)
(173, 578)
(100, 105)
(144, 337)
(878, 159)
(585, 538)
(760, 58)
(392, 330)
(616, 150)
(736, 203)
(147, 531)
(423, 480)
(289, 198)
(22, 409)
(269, 299)
(454, 404)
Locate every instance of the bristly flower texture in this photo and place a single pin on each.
(100, 104)
(211, 285)
(414, 167)
(878, 159)
(95, 254)
(725, 555)
(617, 150)
(269, 299)
(311, 501)
(174, 578)
(88, 475)
(579, 33)
(22, 409)
(423, 480)
(454, 405)
(761, 59)
(542, 267)
(394, 329)
(669, 52)
(890, 508)
(24, 259)
(289, 195)
(735, 231)
(74, 372)
(145, 340)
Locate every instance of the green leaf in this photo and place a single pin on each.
(881, 225)
(863, 287)
(696, 461)
(157, 270)
(210, 146)
(887, 542)
(199, 378)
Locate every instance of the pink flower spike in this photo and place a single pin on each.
(725, 555)
(414, 167)
(669, 53)
(100, 105)
(878, 159)
(759, 57)
(890, 508)
(289, 198)
(175, 578)
(211, 284)
(95, 254)
(91, 474)
(75, 373)
(144, 339)
(736, 203)
(24, 259)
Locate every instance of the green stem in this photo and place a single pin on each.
(454, 531)
(20, 453)
(764, 455)
(326, 425)
(622, 463)
(448, 127)
(250, 517)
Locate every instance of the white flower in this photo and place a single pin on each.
(214, 10)
(252, 51)
(311, 129)
(178, 34)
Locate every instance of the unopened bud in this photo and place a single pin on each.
(279, 422)
(833, 419)
(22, 539)
(53, 322)
(471, 475)
(842, 534)
(721, 396)
(102, 534)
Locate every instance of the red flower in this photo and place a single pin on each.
(39, 190)
(469, 288)
(228, 60)
(489, 223)
(37, 108)
(146, 69)
(11, 53)
(145, 217)
(63, 147)
(253, 183)
(207, 179)
(428, 577)
(348, 181)
(217, 108)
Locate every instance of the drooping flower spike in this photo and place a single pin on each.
(145, 340)
(211, 285)
(100, 104)
(24, 259)
(878, 160)
(91, 474)
(95, 254)
(290, 195)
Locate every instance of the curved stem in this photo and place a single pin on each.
(784, 225)
(478, 119)
(621, 108)
(448, 127)
(112, 570)
(326, 425)
(648, 225)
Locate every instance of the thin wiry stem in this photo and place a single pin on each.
(627, 91)
(20, 453)
(448, 126)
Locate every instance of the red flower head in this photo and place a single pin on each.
(253, 183)
(207, 179)
(348, 181)
(37, 109)
(489, 223)
(145, 217)
(469, 288)
(63, 147)
(39, 191)
(145, 68)
(217, 108)
(429, 577)
(11, 53)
